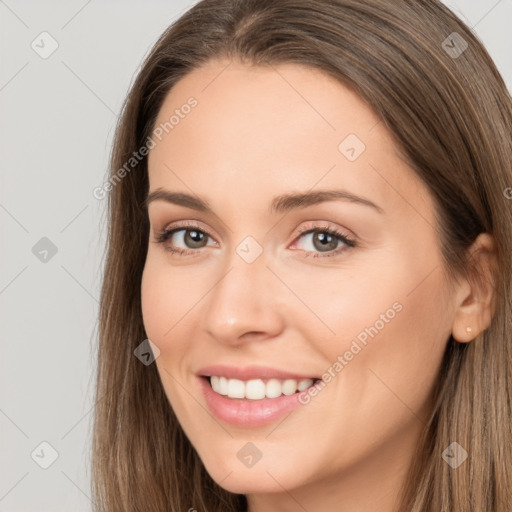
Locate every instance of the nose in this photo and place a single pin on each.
(244, 304)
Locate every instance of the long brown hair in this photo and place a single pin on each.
(450, 113)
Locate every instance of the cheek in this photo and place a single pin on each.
(391, 353)
(167, 316)
(386, 343)
(168, 296)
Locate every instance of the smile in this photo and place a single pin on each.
(258, 389)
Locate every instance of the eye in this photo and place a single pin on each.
(183, 240)
(324, 241)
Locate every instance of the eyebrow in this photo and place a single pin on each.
(280, 204)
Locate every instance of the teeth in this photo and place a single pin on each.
(305, 384)
(257, 389)
(236, 388)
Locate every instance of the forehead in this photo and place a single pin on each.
(256, 128)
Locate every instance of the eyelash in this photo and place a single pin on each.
(164, 235)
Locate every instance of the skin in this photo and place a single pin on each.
(258, 132)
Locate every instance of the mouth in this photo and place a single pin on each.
(251, 402)
(259, 388)
(252, 396)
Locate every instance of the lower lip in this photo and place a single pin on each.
(248, 413)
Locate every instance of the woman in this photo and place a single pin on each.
(306, 302)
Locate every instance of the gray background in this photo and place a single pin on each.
(57, 120)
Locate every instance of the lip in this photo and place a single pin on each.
(250, 372)
(247, 413)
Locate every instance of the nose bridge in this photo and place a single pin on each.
(243, 299)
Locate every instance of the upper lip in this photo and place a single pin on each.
(250, 372)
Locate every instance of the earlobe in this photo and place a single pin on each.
(476, 296)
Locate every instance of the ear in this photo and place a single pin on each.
(476, 294)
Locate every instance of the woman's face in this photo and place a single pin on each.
(342, 283)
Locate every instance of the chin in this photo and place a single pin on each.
(246, 482)
(265, 476)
